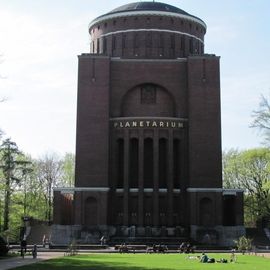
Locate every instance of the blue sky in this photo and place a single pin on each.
(40, 41)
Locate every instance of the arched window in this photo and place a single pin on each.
(149, 40)
(136, 41)
(114, 43)
(148, 99)
(202, 48)
(98, 46)
(191, 46)
(161, 44)
(183, 43)
(104, 45)
(93, 46)
(124, 38)
(172, 39)
(148, 94)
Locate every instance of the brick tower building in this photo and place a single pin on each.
(148, 149)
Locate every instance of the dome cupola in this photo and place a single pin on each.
(147, 30)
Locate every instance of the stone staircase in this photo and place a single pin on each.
(149, 241)
(37, 233)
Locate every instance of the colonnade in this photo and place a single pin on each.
(147, 175)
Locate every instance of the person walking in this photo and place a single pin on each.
(23, 247)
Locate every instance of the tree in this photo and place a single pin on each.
(261, 119)
(68, 170)
(26, 183)
(11, 166)
(250, 170)
(230, 163)
(48, 169)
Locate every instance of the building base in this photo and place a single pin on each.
(217, 235)
(65, 234)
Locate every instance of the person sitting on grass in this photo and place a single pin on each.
(204, 258)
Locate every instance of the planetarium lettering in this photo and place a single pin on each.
(148, 124)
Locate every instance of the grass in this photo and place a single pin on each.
(147, 262)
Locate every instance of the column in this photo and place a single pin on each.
(141, 172)
(126, 174)
(156, 184)
(113, 160)
(79, 208)
(170, 179)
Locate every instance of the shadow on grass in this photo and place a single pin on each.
(82, 263)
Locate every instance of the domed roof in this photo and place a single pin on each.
(143, 8)
(155, 6)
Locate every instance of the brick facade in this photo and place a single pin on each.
(148, 148)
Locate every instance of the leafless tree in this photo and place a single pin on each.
(261, 119)
(49, 174)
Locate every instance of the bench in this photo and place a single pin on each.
(25, 252)
(129, 248)
(70, 252)
(186, 249)
(157, 249)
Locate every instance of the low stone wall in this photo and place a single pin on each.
(218, 235)
(65, 234)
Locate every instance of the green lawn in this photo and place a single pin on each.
(147, 261)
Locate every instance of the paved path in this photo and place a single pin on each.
(267, 255)
(18, 261)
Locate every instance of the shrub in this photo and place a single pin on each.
(243, 244)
